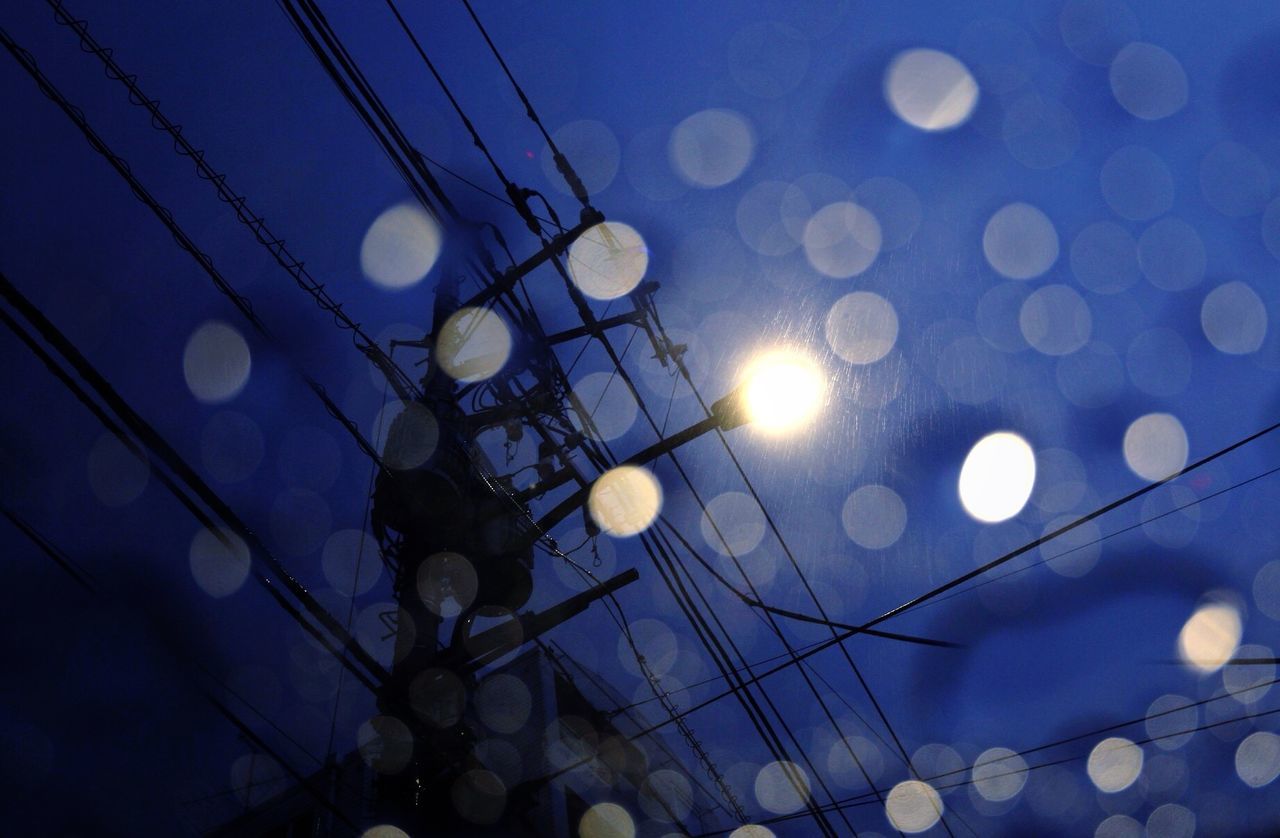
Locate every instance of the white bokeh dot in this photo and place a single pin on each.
(874, 516)
(1056, 320)
(930, 90)
(861, 327)
(1234, 318)
(400, 247)
(216, 362)
(1148, 81)
(1155, 446)
(712, 148)
(1020, 242)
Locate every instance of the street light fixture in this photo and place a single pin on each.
(779, 391)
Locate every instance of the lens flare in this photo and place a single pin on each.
(782, 391)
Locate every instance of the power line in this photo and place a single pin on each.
(157, 449)
(255, 223)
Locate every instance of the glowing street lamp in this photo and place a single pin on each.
(780, 391)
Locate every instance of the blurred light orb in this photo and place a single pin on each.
(406, 433)
(385, 744)
(1114, 764)
(1136, 183)
(606, 820)
(384, 831)
(608, 260)
(913, 806)
(782, 390)
(447, 584)
(1104, 258)
(625, 500)
(1258, 759)
(760, 220)
(1055, 320)
(997, 477)
(1209, 637)
(1170, 721)
(593, 150)
(752, 830)
(930, 90)
(999, 774)
(1074, 553)
(1271, 227)
(1266, 589)
(841, 240)
(1171, 254)
(401, 247)
(712, 147)
(479, 796)
(655, 641)
(474, 344)
(861, 327)
(1148, 81)
(848, 759)
(939, 762)
(1155, 446)
(732, 524)
(804, 194)
(1171, 821)
(1249, 683)
(216, 362)
(874, 517)
(1020, 242)
(503, 703)
(219, 562)
(1120, 826)
(782, 787)
(667, 796)
(610, 409)
(1234, 319)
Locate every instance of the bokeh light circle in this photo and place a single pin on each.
(913, 806)
(1148, 81)
(997, 477)
(861, 327)
(842, 240)
(874, 517)
(930, 90)
(474, 344)
(1155, 446)
(625, 500)
(608, 260)
(712, 147)
(216, 362)
(400, 247)
(1234, 318)
(1209, 637)
(1020, 242)
(1114, 764)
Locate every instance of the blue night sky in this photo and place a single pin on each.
(1056, 220)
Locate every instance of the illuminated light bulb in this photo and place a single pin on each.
(782, 391)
